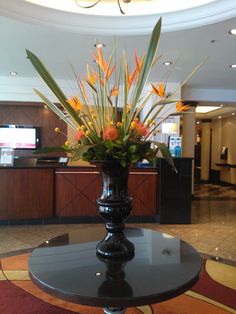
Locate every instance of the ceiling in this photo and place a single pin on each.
(60, 46)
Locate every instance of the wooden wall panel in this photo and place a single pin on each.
(31, 114)
(26, 193)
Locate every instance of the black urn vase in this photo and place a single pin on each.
(114, 206)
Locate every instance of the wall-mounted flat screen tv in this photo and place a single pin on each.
(20, 136)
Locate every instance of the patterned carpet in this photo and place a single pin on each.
(213, 294)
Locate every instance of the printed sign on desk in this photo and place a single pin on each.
(6, 156)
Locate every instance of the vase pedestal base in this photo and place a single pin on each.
(115, 246)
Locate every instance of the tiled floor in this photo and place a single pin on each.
(213, 228)
(214, 191)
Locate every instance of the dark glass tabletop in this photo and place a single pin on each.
(67, 267)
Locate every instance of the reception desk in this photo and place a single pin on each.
(45, 194)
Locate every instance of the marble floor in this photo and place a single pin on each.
(212, 232)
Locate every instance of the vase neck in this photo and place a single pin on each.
(115, 181)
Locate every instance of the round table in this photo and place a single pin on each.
(67, 267)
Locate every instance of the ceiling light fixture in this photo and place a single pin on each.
(167, 63)
(219, 117)
(119, 2)
(205, 109)
(233, 65)
(233, 113)
(100, 45)
(13, 73)
(232, 31)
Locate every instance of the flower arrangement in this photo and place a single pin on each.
(100, 133)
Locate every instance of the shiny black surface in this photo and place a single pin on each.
(175, 194)
(114, 207)
(67, 267)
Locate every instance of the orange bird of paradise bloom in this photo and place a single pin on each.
(180, 106)
(139, 63)
(103, 64)
(159, 90)
(75, 103)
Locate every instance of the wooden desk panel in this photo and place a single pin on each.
(26, 193)
(76, 192)
(78, 189)
(143, 189)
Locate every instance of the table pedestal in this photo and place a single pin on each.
(110, 310)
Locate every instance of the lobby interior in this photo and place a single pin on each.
(213, 227)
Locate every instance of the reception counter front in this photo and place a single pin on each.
(47, 194)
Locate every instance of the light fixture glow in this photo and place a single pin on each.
(219, 117)
(233, 113)
(233, 65)
(205, 109)
(167, 63)
(169, 128)
(13, 73)
(100, 45)
(232, 31)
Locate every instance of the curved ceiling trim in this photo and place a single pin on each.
(120, 25)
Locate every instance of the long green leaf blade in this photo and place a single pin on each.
(148, 60)
(51, 83)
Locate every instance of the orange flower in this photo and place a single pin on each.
(141, 129)
(130, 78)
(110, 133)
(75, 103)
(78, 135)
(160, 90)
(91, 76)
(109, 71)
(139, 63)
(114, 91)
(105, 67)
(99, 59)
(180, 106)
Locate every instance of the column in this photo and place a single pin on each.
(189, 135)
(205, 149)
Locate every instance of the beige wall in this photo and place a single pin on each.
(224, 134)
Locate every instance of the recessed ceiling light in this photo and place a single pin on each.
(13, 73)
(46, 107)
(100, 45)
(205, 109)
(219, 117)
(167, 63)
(198, 122)
(233, 65)
(232, 31)
(233, 113)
